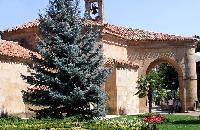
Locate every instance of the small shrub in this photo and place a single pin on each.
(122, 111)
(133, 124)
(74, 123)
(3, 113)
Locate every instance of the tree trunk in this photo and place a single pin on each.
(150, 99)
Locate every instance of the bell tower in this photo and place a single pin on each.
(94, 10)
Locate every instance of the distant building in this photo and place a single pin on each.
(133, 52)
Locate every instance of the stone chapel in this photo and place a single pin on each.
(133, 52)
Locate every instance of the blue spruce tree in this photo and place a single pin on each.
(67, 80)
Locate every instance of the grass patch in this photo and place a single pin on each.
(175, 122)
(180, 122)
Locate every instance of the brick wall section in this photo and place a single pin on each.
(114, 51)
(11, 85)
(26, 37)
(121, 85)
(127, 101)
(121, 88)
(111, 91)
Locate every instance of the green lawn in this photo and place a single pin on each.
(176, 122)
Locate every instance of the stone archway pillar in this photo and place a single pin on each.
(182, 93)
(190, 78)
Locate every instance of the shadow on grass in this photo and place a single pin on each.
(185, 122)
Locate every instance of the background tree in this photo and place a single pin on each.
(148, 83)
(198, 68)
(169, 83)
(160, 84)
(170, 76)
(68, 77)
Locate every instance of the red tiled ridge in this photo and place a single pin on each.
(121, 32)
(35, 23)
(111, 61)
(31, 24)
(141, 35)
(13, 49)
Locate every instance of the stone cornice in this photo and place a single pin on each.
(121, 63)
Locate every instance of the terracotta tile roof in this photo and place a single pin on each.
(31, 24)
(111, 61)
(36, 22)
(13, 49)
(121, 32)
(141, 35)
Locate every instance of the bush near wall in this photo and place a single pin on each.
(74, 123)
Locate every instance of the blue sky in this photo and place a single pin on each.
(180, 17)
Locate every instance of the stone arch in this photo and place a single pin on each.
(166, 60)
(178, 68)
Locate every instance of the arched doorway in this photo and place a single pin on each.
(176, 66)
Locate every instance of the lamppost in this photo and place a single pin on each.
(173, 91)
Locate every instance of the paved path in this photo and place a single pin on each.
(192, 113)
(158, 110)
